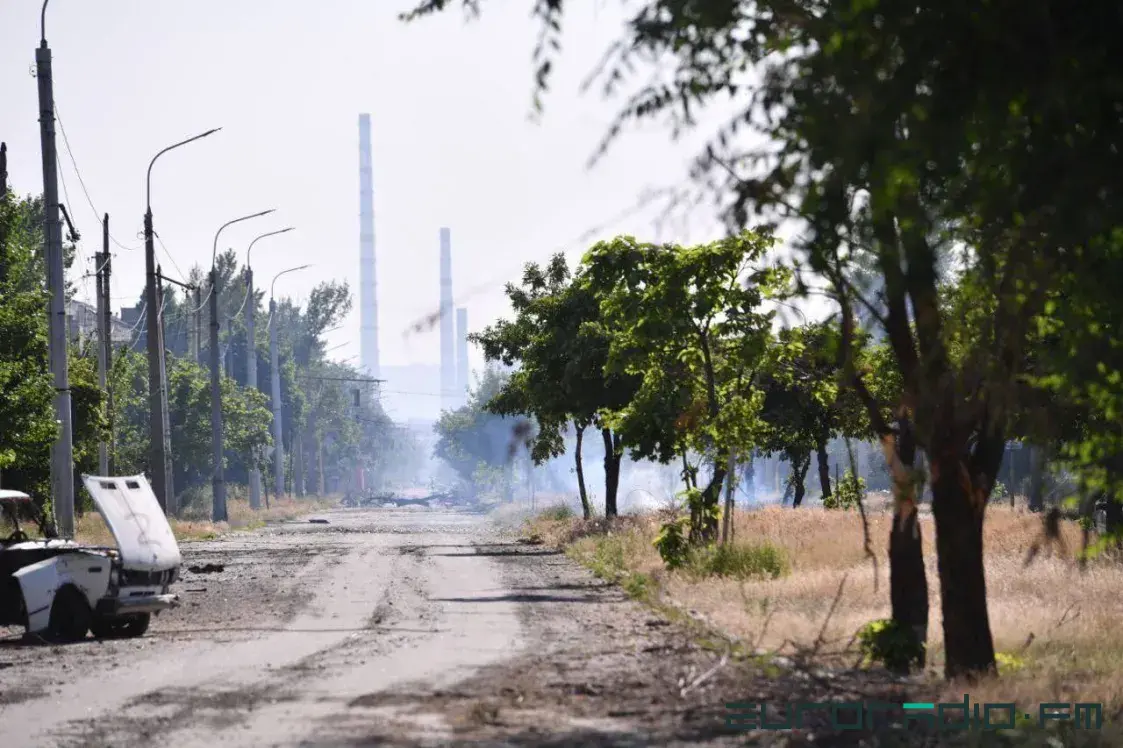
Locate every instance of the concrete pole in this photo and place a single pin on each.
(170, 505)
(198, 326)
(218, 508)
(275, 366)
(104, 329)
(62, 451)
(160, 465)
(251, 381)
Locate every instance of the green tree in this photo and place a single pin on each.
(561, 353)
(26, 390)
(688, 321)
(475, 442)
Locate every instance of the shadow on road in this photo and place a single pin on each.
(518, 598)
(543, 737)
(501, 553)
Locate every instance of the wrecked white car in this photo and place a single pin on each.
(60, 589)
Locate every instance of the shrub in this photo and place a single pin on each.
(558, 513)
(1008, 663)
(891, 644)
(741, 561)
(849, 491)
(672, 543)
(999, 491)
(609, 557)
(638, 585)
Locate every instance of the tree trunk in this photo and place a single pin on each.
(727, 514)
(1037, 479)
(824, 469)
(586, 509)
(908, 578)
(704, 529)
(959, 547)
(687, 472)
(800, 467)
(322, 479)
(612, 455)
(1113, 518)
(298, 464)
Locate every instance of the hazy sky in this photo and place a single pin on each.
(452, 143)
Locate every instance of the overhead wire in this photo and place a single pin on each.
(85, 277)
(89, 200)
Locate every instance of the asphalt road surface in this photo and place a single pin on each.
(381, 627)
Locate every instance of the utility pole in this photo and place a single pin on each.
(170, 506)
(160, 450)
(159, 463)
(251, 380)
(108, 345)
(62, 451)
(218, 508)
(198, 314)
(104, 325)
(275, 370)
(275, 366)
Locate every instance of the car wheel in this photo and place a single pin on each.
(121, 627)
(70, 616)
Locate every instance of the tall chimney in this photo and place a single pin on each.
(462, 354)
(368, 282)
(449, 399)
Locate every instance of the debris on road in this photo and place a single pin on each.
(318, 521)
(207, 568)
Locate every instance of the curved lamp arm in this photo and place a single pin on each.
(214, 251)
(148, 181)
(271, 233)
(273, 285)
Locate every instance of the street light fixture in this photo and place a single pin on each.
(159, 420)
(251, 359)
(218, 507)
(275, 366)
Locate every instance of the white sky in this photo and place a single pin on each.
(452, 143)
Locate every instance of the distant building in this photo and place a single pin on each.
(82, 325)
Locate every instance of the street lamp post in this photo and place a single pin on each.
(160, 463)
(62, 451)
(218, 507)
(275, 367)
(251, 361)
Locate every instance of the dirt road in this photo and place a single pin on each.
(381, 627)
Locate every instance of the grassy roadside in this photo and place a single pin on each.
(193, 524)
(793, 579)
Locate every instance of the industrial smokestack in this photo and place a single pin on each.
(462, 354)
(449, 399)
(368, 281)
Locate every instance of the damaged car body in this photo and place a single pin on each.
(60, 590)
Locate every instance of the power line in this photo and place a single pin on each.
(169, 254)
(85, 279)
(82, 182)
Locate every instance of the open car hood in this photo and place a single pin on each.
(130, 509)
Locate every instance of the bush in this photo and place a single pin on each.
(741, 561)
(999, 492)
(891, 644)
(849, 491)
(673, 544)
(558, 513)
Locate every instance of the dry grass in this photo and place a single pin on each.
(194, 525)
(1060, 624)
